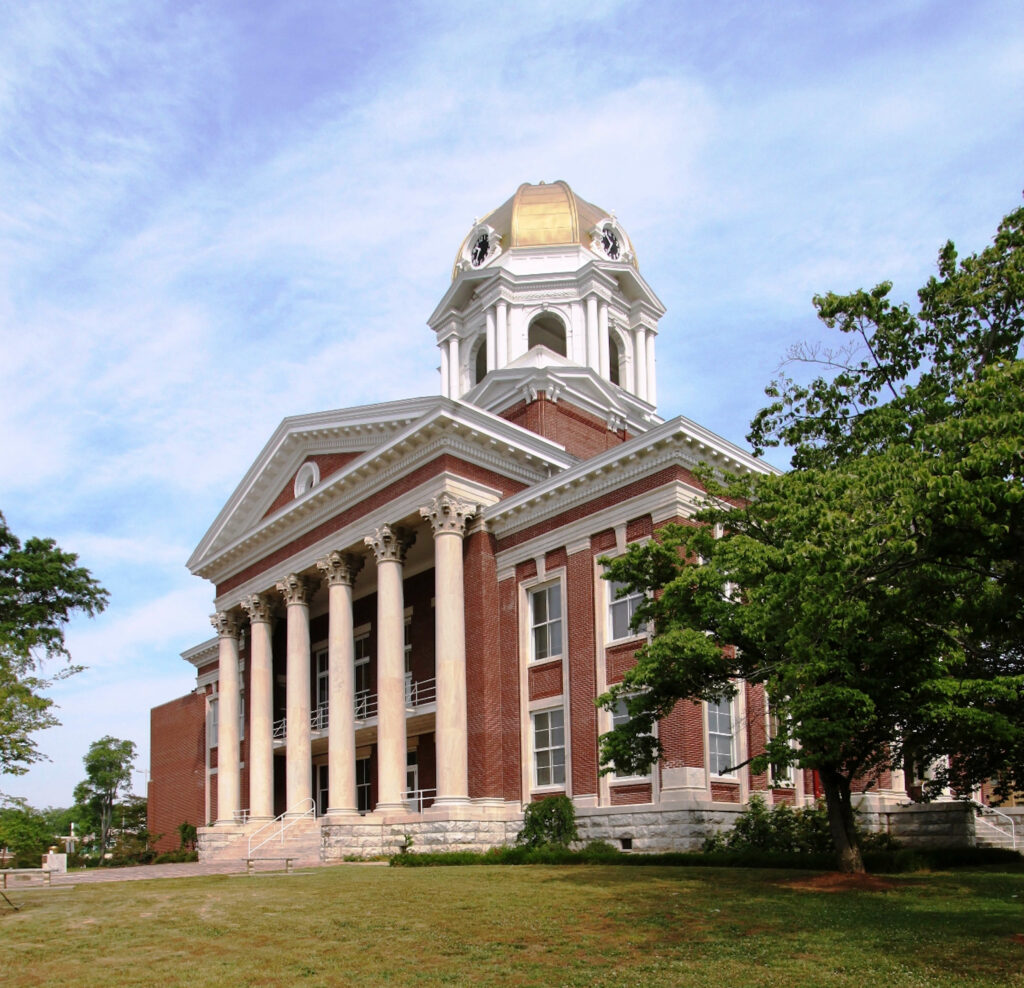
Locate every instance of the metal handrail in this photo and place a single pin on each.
(422, 692)
(983, 809)
(281, 729)
(302, 811)
(366, 705)
(319, 718)
(414, 798)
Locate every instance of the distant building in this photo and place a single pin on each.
(411, 617)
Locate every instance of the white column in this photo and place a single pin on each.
(448, 516)
(491, 339)
(652, 391)
(602, 334)
(640, 361)
(298, 751)
(229, 785)
(445, 376)
(340, 571)
(501, 334)
(261, 708)
(454, 377)
(389, 547)
(593, 348)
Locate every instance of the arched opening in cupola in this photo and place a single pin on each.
(547, 330)
(614, 360)
(480, 362)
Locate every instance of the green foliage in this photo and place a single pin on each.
(26, 833)
(782, 829)
(40, 588)
(874, 590)
(108, 769)
(188, 835)
(550, 821)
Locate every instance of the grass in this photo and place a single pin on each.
(538, 925)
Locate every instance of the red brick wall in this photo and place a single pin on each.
(581, 433)
(508, 657)
(631, 794)
(641, 486)
(618, 659)
(177, 764)
(445, 462)
(723, 792)
(756, 734)
(545, 680)
(484, 694)
(327, 462)
(582, 672)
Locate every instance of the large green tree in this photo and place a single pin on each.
(41, 586)
(108, 771)
(876, 589)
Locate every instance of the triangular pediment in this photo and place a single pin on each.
(560, 379)
(357, 451)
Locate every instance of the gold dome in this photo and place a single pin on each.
(544, 215)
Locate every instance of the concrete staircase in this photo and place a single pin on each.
(300, 841)
(997, 829)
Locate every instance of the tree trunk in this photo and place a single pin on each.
(840, 821)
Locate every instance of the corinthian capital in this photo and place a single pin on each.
(226, 623)
(390, 544)
(259, 607)
(448, 513)
(340, 568)
(296, 589)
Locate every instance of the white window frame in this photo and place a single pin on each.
(360, 660)
(552, 766)
(213, 728)
(712, 713)
(629, 603)
(618, 716)
(323, 676)
(551, 590)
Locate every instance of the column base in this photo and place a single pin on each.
(398, 807)
(442, 802)
(230, 822)
(333, 811)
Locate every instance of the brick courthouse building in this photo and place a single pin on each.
(411, 621)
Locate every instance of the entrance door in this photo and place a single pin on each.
(412, 781)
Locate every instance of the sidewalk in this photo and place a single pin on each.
(138, 873)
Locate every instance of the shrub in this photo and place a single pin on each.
(783, 830)
(550, 821)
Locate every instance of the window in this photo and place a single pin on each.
(720, 737)
(214, 722)
(546, 622)
(363, 785)
(620, 715)
(549, 748)
(547, 330)
(621, 611)
(362, 676)
(322, 691)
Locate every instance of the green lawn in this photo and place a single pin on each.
(582, 925)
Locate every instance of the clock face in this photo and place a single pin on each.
(610, 243)
(480, 250)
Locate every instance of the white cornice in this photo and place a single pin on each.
(450, 426)
(203, 654)
(350, 537)
(676, 442)
(558, 377)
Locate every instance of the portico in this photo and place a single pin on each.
(442, 526)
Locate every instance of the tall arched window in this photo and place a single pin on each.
(614, 359)
(547, 330)
(480, 364)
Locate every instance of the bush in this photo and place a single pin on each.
(783, 830)
(550, 821)
(176, 857)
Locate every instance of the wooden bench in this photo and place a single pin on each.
(250, 864)
(29, 872)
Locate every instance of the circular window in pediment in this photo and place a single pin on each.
(307, 478)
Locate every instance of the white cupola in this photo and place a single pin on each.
(548, 284)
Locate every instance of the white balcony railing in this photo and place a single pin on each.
(416, 799)
(417, 694)
(420, 693)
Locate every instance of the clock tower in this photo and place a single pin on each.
(547, 300)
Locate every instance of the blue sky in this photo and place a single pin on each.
(215, 215)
